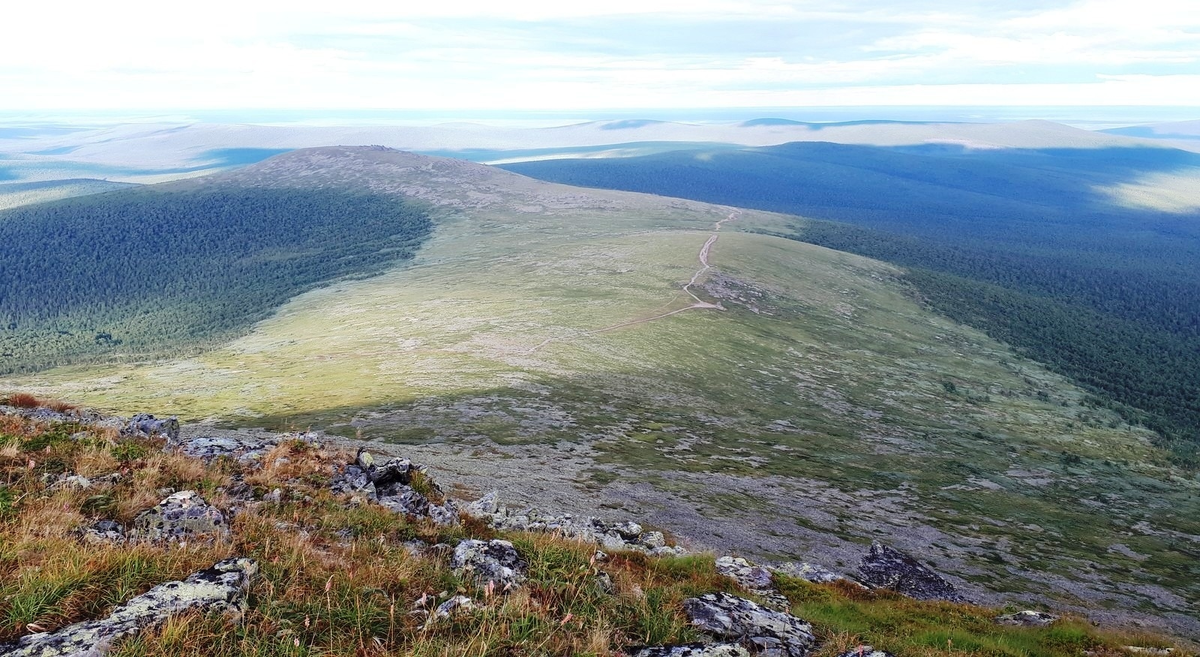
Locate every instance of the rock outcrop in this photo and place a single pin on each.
(247, 450)
(609, 535)
(764, 632)
(808, 572)
(144, 425)
(1028, 618)
(490, 561)
(179, 517)
(693, 650)
(220, 588)
(755, 579)
(390, 485)
(886, 568)
(866, 651)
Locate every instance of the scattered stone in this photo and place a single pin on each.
(416, 547)
(765, 632)
(490, 561)
(808, 572)
(243, 449)
(274, 497)
(866, 651)
(444, 514)
(145, 425)
(611, 536)
(407, 501)
(364, 459)
(484, 507)
(1028, 618)
(755, 579)
(653, 540)
(220, 588)
(1157, 652)
(746, 574)
(180, 516)
(67, 482)
(605, 582)
(886, 568)
(104, 531)
(693, 650)
(459, 604)
(389, 484)
(84, 417)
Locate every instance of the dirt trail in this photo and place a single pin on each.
(698, 303)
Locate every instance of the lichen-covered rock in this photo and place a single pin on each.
(72, 416)
(808, 572)
(103, 531)
(765, 632)
(390, 484)
(1028, 618)
(180, 516)
(754, 579)
(407, 501)
(886, 568)
(220, 588)
(746, 574)
(394, 472)
(247, 450)
(490, 561)
(693, 650)
(865, 651)
(609, 535)
(145, 425)
(444, 514)
(459, 604)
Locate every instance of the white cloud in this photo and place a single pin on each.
(476, 54)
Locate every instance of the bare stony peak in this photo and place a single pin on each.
(437, 180)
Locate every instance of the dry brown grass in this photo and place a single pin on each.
(23, 400)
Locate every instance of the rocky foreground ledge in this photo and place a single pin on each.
(494, 562)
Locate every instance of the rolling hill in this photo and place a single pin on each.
(683, 362)
(1051, 250)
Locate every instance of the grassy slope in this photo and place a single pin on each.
(336, 578)
(840, 388)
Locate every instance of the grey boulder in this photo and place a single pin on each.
(1028, 618)
(808, 572)
(144, 425)
(755, 579)
(865, 651)
(765, 632)
(179, 517)
(886, 568)
(490, 561)
(693, 650)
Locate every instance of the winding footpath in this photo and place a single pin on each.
(697, 302)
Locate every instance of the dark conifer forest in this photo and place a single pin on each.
(154, 270)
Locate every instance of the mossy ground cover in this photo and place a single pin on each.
(336, 579)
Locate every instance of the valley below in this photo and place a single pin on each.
(591, 352)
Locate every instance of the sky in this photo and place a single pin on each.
(575, 54)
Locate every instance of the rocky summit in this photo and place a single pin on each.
(135, 537)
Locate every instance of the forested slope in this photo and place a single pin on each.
(1018, 243)
(163, 269)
